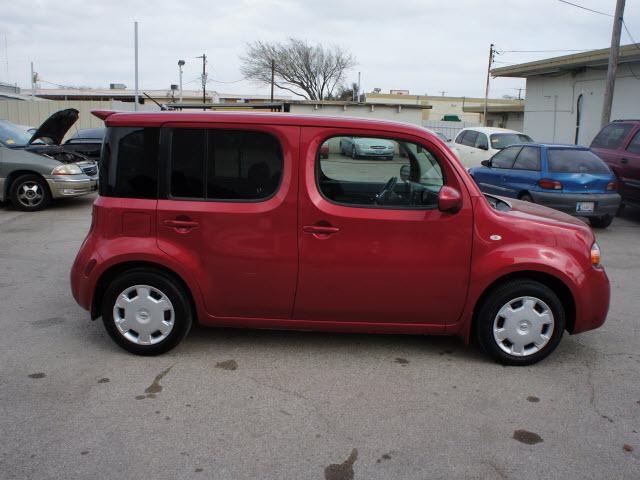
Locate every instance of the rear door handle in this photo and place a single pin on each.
(320, 231)
(624, 160)
(181, 225)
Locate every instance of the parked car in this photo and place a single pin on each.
(87, 142)
(475, 144)
(244, 226)
(35, 169)
(564, 177)
(618, 144)
(324, 150)
(359, 147)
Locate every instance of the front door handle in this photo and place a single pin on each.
(624, 160)
(181, 226)
(320, 231)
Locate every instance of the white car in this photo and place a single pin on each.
(475, 144)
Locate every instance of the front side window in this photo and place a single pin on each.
(565, 160)
(612, 136)
(528, 159)
(224, 164)
(385, 173)
(505, 158)
(129, 163)
(482, 142)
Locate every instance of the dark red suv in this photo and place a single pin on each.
(236, 219)
(618, 144)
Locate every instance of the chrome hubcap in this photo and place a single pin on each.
(523, 326)
(143, 315)
(30, 194)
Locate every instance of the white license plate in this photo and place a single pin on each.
(584, 206)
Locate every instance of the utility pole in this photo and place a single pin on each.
(486, 88)
(180, 65)
(204, 80)
(135, 40)
(613, 63)
(358, 93)
(273, 77)
(33, 82)
(519, 94)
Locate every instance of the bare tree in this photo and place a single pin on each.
(308, 71)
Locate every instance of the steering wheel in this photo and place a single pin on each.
(386, 189)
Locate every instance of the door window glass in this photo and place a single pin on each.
(528, 159)
(634, 146)
(505, 158)
(469, 138)
(224, 164)
(385, 173)
(482, 142)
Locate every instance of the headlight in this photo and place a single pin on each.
(67, 169)
(595, 254)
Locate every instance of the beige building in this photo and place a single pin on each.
(442, 108)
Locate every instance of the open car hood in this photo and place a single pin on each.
(54, 128)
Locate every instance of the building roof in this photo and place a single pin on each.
(436, 98)
(495, 108)
(566, 63)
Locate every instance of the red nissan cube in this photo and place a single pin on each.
(238, 220)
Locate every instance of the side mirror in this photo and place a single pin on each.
(449, 200)
(405, 172)
(486, 163)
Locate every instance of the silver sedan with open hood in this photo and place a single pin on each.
(36, 168)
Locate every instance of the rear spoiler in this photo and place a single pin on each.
(102, 114)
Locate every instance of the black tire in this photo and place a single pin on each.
(390, 158)
(501, 296)
(620, 211)
(35, 185)
(601, 222)
(525, 197)
(353, 153)
(165, 284)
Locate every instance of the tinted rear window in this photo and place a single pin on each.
(612, 136)
(502, 140)
(575, 161)
(129, 163)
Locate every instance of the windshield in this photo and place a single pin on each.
(12, 135)
(564, 160)
(503, 140)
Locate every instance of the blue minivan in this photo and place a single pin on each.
(568, 178)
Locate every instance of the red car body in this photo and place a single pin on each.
(300, 261)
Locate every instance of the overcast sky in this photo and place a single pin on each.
(425, 46)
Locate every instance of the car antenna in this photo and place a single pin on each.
(162, 107)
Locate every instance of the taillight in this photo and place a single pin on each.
(612, 186)
(550, 184)
(595, 254)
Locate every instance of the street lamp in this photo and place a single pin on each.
(180, 64)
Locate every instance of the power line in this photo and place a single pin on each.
(635, 44)
(585, 8)
(540, 51)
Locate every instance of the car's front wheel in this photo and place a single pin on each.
(30, 193)
(520, 322)
(146, 312)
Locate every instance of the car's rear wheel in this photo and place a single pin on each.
(601, 222)
(30, 193)
(520, 322)
(146, 312)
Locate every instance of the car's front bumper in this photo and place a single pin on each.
(71, 185)
(603, 203)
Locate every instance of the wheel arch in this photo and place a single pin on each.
(554, 283)
(117, 269)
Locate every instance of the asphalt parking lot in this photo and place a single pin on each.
(238, 404)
